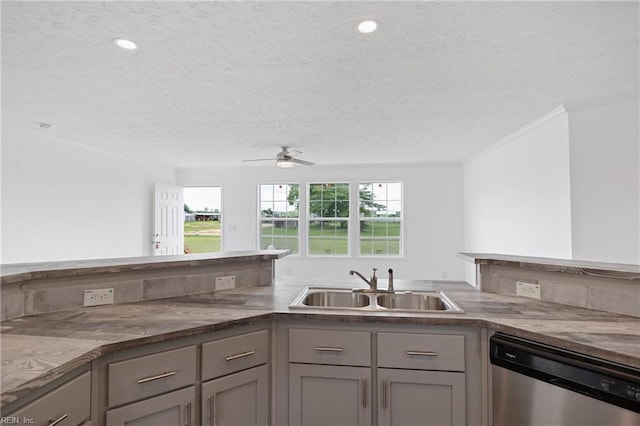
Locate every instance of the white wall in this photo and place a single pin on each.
(605, 190)
(62, 200)
(432, 214)
(517, 193)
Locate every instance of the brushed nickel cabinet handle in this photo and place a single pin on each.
(364, 393)
(241, 355)
(159, 376)
(214, 421)
(384, 394)
(422, 353)
(58, 420)
(328, 349)
(188, 423)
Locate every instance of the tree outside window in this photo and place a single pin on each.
(380, 218)
(328, 217)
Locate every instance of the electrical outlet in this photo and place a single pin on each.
(528, 290)
(225, 283)
(100, 296)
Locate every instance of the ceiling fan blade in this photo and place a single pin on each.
(306, 163)
(258, 159)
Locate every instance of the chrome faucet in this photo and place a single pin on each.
(390, 280)
(373, 281)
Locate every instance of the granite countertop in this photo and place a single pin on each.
(18, 272)
(39, 348)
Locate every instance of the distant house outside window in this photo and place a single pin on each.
(280, 216)
(202, 219)
(328, 219)
(380, 218)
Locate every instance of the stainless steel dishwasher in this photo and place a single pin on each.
(535, 384)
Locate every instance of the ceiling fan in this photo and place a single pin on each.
(285, 158)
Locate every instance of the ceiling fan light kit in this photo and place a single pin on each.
(284, 163)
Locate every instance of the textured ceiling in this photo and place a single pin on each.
(217, 82)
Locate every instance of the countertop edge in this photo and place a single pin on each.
(19, 272)
(578, 267)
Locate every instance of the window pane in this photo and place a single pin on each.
(329, 219)
(328, 237)
(279, 210)
(380, 207)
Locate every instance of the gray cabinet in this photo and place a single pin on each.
(409, 396)
(239, 392)
(329, 395)
(420, 398)
(171, 409)
(377, 375)
(329, 377)
(239, 399)
(67, 405)
(154, 389)
(218, 379)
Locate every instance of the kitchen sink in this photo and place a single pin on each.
(374, 300)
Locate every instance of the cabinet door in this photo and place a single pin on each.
(408, 397)
(171, 409)
(240, 399)
(70, 404)
(328, 395)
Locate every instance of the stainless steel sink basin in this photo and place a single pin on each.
(376, 301)
(336, 299)
(412, 302)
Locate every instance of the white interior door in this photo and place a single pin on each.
(168, 220)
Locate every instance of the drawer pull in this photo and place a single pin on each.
(242, 355)
(159, 376)
(422, 353)
(328, 349)
(58, 420)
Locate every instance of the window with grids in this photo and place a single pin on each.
(328, 217)
(279, 216)
(380, 206)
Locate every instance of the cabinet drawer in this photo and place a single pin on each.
(176, 408)
(226, 356)
(334, 347)
(421, 351)
(150, 375)
(70, 404)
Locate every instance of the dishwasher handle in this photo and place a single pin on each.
(573, 388)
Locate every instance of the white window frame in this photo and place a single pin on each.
(298, 219)
(348, 219)
(358, 218)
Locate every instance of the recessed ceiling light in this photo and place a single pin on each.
(367, 26)
(125, 44)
